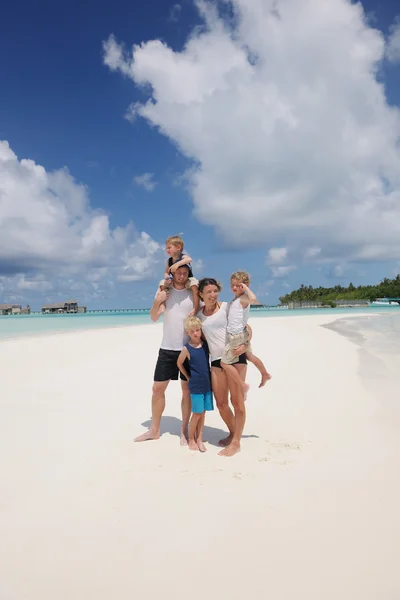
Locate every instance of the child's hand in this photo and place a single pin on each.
(239, 350)
(192, 313)
(172, 269)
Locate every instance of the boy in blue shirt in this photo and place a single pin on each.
(194, 364)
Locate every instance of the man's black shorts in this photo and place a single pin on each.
(242, 361)
(166, 367)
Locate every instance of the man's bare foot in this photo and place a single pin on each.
(231, 450)
(225, 441)
(148, 435)
(201, 446)
(264, 378)
(184, 439)
(193, 445)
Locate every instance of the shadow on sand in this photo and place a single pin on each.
(212, 435)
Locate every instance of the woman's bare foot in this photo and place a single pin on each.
(264, 378)
(184, 439)
(192, 445)
(246, 388)
(148, 435)
(225, 441)
(201, 446)
(231, 450)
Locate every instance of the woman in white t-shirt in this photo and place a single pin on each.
(214, 317)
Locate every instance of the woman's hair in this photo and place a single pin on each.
(209, 281)
(192, 323)
(241, 276)
(175, 240)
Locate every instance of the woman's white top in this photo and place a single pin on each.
(237, 316)
(214, 329)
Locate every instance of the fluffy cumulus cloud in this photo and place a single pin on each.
(393, 46)
(282, 270)
(146, 181)
(278, 106)
(276, 255)
(53, 242)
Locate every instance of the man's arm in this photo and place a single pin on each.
(179, 263)
(181, 359)
(158, 305)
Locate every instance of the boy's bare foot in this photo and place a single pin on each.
(148, 435)
(264, 378)
(193, 446)
(184, 439)
(225, 441)
(201, 446)
(231, 450)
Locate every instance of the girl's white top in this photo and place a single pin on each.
(214, 329)
(237, 316)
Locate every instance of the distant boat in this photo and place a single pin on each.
(386, 302)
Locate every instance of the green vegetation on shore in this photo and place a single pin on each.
(387, 288)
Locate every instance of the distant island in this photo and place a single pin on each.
(387, 288)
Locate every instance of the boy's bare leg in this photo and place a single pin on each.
(186, 406)
(194, 421)
(237, 399)
(157, 409)
(199, 433)
(257, 362)
(232, 373)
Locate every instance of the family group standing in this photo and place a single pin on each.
(207, 346)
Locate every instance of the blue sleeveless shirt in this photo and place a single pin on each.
(199, 369)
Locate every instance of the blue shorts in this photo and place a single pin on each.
(202, 402)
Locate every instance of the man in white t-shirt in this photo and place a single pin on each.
(175, 303)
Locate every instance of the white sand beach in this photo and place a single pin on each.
(308, 510)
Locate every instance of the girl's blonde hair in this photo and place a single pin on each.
(192, 323)
(175, 240)
(241, 276)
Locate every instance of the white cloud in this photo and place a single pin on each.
(393, 44)
(337, 271)
(312, 252)
(276, 255)
(198, 266)
(175, 13)
(286, 124)
(52, 240)
(146, 181)
(282, 271)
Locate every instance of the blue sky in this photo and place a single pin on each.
(244, 161)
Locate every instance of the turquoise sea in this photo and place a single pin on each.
(37, 324)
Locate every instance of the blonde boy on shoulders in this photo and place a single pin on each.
(174, 247)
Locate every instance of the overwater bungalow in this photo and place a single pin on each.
(70, 306)
(10, 309)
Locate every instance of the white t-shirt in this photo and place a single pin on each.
(177, 307)
(214, 328)
(237, 316)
